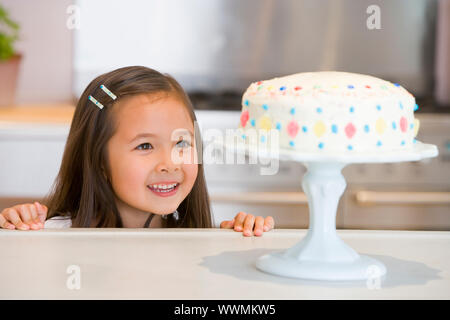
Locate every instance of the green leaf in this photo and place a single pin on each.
(8, 37)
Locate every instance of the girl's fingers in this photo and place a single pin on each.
(5, 224)
(42, 212)
(12, 216)
(35, 223)
(239, 221)
(269, 223)
(259, 223)
(27, 215)
(248, 224)
(227, 224)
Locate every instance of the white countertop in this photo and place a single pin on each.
(208, 264)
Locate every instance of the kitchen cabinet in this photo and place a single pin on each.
(32, 140)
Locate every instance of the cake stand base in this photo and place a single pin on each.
(361, 268)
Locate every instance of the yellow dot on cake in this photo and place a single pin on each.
(416, 126)
(319, 128)
(265, 123)
(380, 126)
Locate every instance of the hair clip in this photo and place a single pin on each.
(98, 104)
(109, 93)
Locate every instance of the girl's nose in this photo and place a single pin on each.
(163, 168)
(167, 164)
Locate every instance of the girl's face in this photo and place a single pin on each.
(152, 134)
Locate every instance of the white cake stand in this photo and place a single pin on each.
(322, 255)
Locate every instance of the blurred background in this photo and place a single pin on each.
(51, 49)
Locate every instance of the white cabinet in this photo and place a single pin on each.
(30, 157)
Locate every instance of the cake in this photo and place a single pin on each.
(330, 111)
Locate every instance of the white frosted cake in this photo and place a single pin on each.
(331, 112)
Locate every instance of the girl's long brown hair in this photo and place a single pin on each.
(82, 189)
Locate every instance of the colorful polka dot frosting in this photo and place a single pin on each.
(332, 111)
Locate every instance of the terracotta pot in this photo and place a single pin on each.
(9, 72)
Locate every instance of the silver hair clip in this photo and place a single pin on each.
(98, 104)
(107, 91)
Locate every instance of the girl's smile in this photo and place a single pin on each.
(164, 189)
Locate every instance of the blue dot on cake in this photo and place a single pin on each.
(292, 110)
(394, 125)
(352, 109)
(305, 129)
(334, 128)
(291, 143)
(379, 143)
(278, 126)
(265, 106)
(378, 107)
(321, 145)
(247, 103)
(366, 128)
(319, 110)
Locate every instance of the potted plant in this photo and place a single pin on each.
(9, 59)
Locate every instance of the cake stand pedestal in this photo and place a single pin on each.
(322, 254)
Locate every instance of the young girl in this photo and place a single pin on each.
(118, 169)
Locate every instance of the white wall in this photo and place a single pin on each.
(157, 34)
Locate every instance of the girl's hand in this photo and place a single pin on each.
(248, 222)
(24, 217)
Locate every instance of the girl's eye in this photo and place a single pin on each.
(149, 146)
(183, 144)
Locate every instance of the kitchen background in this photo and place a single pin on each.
(216, 49)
